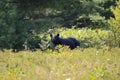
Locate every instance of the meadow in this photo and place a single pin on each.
(77, 64)
(93, 60)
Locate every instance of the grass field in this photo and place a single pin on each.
(78, 64)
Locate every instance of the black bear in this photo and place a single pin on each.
(71, 42)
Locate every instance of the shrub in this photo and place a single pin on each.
(87, 37)
(114, 24)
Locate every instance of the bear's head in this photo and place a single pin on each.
(55, 39)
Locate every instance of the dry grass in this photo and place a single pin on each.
(78, 64)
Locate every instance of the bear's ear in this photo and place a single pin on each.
(51, 35)
(58, 35)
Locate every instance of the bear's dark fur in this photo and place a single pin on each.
(71, 42)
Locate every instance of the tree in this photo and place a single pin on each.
(13, 25)
(7, 23)
(114, 24)
(17, 17)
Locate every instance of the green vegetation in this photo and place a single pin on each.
(18, 17)
(26, 52)
(114, 24)
(87, 64)
(98, 63)
(87, 37)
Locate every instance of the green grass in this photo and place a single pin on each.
(78, 64)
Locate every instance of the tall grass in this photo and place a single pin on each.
(77, 64)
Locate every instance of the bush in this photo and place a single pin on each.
(87, 37)
(114, 25)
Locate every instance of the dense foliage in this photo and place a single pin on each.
(19, 17)
(97, 38)
(114, 24)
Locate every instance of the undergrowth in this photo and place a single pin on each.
(87, 37)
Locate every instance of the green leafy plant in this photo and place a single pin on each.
(87, 37)
(114, 25)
